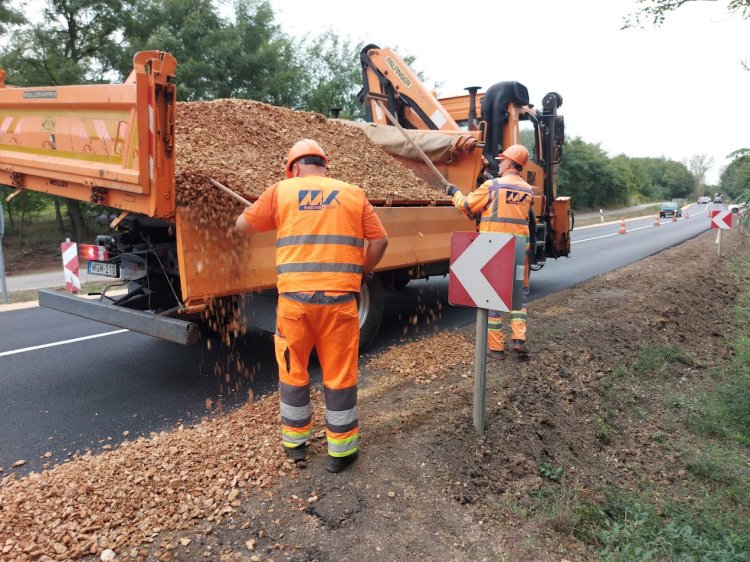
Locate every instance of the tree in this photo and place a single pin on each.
(588, 177)
(266, 66)
(245, 57)
(699, 164)
(78, 42)
(9, 16)
(657, 10)
(190, 30)
(664, 179)
(332, 75)
(735, 179)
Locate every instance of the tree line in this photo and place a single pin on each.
(244, 53)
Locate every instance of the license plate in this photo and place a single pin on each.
(103, 268)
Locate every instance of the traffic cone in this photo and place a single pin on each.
(674, 217)
(622, 227)
(656, 222)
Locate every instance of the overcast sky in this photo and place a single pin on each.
(674, 91)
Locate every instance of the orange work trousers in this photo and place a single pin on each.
(328, 322)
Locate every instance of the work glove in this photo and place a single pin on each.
(464, 143)
(450, 189)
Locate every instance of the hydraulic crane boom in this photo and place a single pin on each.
(505, 106)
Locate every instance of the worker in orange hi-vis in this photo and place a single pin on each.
(321, 261)
(504, 204)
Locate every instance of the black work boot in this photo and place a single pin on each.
(337, 464)
(298, 453)
(497, 355)
(520, 347)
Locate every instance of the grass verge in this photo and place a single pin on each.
(701, 511)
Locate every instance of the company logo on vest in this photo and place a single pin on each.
(316, 199)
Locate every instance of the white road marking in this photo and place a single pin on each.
(608, 235)
(629, 230)
(65, 342)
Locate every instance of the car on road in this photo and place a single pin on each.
(669, 209)
(704, 200)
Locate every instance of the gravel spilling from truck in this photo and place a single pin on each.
(243, 145)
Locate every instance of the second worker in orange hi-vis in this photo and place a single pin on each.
(504, 204)
(321, 261)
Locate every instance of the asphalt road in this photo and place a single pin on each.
(70, 385)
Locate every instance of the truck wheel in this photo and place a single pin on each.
(370, 303)
(400, 279)
(400, 283)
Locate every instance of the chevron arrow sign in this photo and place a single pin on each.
(721, 219)
(485, 269)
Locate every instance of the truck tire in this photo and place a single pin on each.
(400, 283)
(400, 279)
(370, 305)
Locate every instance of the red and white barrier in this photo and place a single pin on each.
(70, 266)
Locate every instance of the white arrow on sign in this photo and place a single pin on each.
(467, 270)
(721, 219)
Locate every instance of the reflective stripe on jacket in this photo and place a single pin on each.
(320, 240)
(502, 204)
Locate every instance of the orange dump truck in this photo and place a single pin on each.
(114, 145)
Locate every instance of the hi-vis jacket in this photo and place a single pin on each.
(501, 204)
(322, 224)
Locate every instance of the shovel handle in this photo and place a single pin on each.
(228, 191)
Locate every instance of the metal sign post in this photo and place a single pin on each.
(2, 260)
(480, 370)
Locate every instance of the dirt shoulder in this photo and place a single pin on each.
(426, 486)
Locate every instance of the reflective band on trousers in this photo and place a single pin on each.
(343, 447)
(319, 297)
(319, 267)
(341, 421)
(290, 438)
(321, 239)
(296, 416)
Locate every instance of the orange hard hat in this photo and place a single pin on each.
(517, 153)
(305, 147)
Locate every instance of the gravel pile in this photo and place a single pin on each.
(243, 144)
(125, 497)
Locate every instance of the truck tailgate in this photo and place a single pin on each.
(110, 144)
(216, 261)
